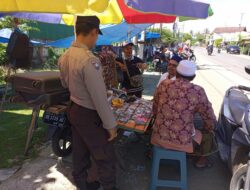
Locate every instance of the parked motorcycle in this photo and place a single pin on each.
(61, 140)
(56, 118)
(233, 135)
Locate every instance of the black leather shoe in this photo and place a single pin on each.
(93, 186)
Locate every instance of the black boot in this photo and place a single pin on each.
(93, 186)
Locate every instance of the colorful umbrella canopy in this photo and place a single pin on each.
(54, 6)
(133, 11)
(184, 8)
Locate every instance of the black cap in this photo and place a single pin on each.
(125, 44)
(93, 20)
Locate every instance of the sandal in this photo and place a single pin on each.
(208, 164)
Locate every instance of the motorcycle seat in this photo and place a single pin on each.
(238, 104)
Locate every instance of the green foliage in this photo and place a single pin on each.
(200, 38)
(51, 62)
(245, 50)
(14, 124)
(167, 36)
(187, 36)
(7, 22)
(218, 42)
(3, 57)
(232, 43)
(2, 75)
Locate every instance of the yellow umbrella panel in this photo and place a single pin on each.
(111, 15)
(54, 6)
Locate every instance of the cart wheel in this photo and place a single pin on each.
(62, 142)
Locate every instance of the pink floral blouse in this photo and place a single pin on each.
(175, 103)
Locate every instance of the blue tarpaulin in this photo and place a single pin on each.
(111, 34)
(150, 35)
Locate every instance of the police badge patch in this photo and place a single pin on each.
(96, 65)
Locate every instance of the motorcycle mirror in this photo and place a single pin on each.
(247, 69)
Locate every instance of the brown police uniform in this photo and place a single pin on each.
(90, 114)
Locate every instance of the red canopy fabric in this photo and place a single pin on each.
(136, 17)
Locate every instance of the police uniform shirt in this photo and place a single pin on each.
(81, 73)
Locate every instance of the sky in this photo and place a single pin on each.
(226, 13)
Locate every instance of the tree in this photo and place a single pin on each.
(201, 38)
(187, 36)
(7, 22)
(217, 42)
(166, 35)
(206, 31)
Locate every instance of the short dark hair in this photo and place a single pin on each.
(84, 28)
(178, 75)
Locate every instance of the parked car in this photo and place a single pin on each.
(233, 49)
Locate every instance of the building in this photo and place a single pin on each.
(229, 34)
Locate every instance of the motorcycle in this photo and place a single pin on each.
(219, 50)
(233, 135)
(188, 56)
(209, 50)
(56, 119)
(61, 140)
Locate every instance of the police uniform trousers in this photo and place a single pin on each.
(91, 139)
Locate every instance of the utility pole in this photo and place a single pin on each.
(241, 18)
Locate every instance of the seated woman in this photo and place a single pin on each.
(175, 104)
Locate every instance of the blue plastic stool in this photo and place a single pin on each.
(164, 154)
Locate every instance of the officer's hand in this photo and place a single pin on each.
(112, 134)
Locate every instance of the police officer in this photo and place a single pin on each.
(92, 120)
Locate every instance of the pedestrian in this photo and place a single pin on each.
(175, 104)
(171, 68)
(93, 123)
(132, 68)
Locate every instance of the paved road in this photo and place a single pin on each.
(218, 72)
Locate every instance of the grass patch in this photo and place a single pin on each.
(14, 122)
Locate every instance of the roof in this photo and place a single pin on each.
(221, 30)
